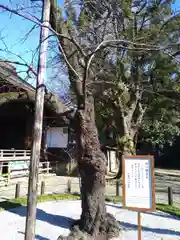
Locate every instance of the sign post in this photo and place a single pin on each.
(139, 226)
(139, 185)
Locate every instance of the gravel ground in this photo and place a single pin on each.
(54, 218)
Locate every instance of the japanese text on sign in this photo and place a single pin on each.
(138, 183)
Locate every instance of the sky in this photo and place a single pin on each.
(15, 47)
(12, 32)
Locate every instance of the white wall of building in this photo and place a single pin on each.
(57, 137)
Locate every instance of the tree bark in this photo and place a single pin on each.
(95, 222)
(126, 147)
(126, 142)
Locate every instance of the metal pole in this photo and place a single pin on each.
(38, 123)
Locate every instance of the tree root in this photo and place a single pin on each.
(107, 231)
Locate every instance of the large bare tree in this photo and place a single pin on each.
(95, 222)
(80, 39)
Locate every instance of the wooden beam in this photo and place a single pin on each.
(38, 124)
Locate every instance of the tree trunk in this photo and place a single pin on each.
(126, 147)
(95, 223)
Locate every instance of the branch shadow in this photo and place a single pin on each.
(158, 214)
(131, 226)
(167, 215)
(6, 205)
(114, 205)
(56, 220)
(37, 237)
(66, 222)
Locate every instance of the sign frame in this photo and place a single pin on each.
(152, 182)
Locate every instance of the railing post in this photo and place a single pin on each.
(9, 173)
(110, 168)
(47, 170)
(42, 187)
(1, 161)
(170, 196)
(117, 188)
(69, 186)
(14, 154)
(17, 192)
(1, 167)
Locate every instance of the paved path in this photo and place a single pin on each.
(55, 218)
(58, 184)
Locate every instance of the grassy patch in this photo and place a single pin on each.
(14, 203)
(169, 209)
(161, 207)
(114, 199)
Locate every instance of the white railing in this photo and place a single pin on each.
(10, 155)
(16, 163)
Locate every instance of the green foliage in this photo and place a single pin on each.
(130, 82)
(161, 122)
(155, 73)
(160, 132)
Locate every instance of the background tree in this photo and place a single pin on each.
(138, 76)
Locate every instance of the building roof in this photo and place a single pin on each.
(9, 75)
(20, 90)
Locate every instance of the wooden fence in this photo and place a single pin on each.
(69, 190)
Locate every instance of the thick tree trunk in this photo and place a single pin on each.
(95, 223)
(126, 147)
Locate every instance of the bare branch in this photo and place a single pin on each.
(27, 34)
(36, 21)
(22, 61)
(67, 62)
(30, 68)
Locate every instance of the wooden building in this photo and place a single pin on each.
(17, 105)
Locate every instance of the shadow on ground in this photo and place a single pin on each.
(65, 222)
(160, 214)
(130, 226)
(114, 205)
(157, 214)
(6, 205)
(56, 220)
(37, 237)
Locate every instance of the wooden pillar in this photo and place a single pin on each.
(28, 131)
(1, 162)
(38, 123)
(44, 154)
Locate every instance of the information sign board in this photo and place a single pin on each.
(138, 183)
